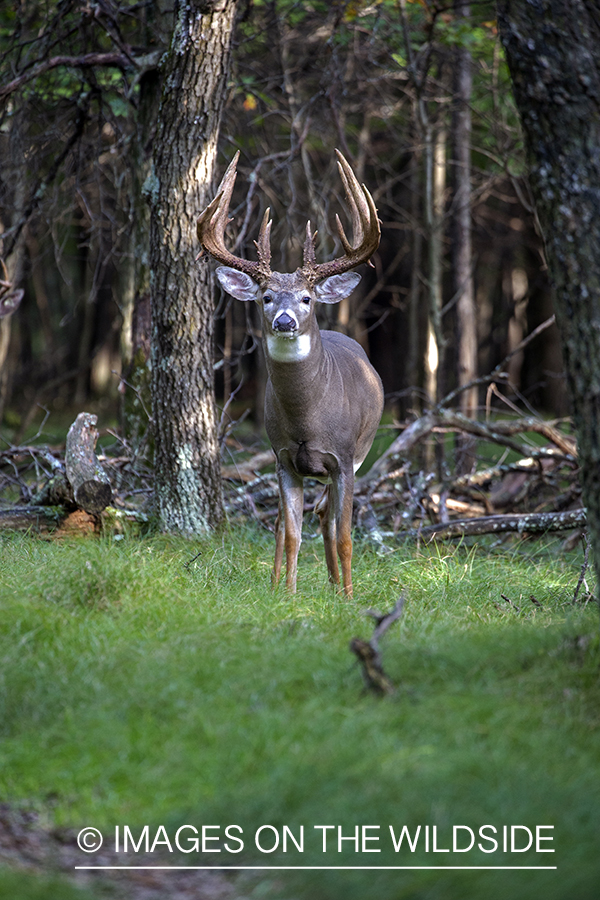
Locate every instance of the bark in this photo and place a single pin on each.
(414, 295)
(90, 483)
(12, 265)
(188, 486)
(553, 52)
(529, 523)
(462, 261)
(37, 519)
(135, 302)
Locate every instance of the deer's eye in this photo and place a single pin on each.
(306, 299)
(267, 298)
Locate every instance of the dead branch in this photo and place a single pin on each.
(368, 653)
(247, 470)
(510, 603)
(496, 432)
(582, 579)
(121, 61)
(528, 523)
(498, 374)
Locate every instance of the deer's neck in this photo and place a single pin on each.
(294, 363)
(282, 349)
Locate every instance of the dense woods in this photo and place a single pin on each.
(79, 94)
(111, 140)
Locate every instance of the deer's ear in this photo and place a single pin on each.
(238, 284)
(336, 287)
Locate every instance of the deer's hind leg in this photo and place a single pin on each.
(342, 490)
(326, 512)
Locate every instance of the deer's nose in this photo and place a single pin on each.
(284, 322)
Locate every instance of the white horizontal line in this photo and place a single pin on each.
(344, 868)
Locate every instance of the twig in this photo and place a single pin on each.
(497, 374)
(368, 652)
(582, 579)
(510, 603)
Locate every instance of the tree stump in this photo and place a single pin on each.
(90, 483)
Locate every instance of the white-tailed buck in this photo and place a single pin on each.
(323, 398)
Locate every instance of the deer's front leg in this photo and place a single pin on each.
(279, 535)
(325, 509)
(343, 487)
(291, 503)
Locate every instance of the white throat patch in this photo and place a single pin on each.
(287, 347)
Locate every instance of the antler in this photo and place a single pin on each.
(365, 231)
(211, 231)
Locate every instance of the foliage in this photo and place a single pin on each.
(307, 77)
(140, 686)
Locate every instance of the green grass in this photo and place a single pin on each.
(137, 690)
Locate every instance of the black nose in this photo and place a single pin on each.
(283, 322)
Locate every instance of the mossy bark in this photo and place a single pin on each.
(188, 481)
(553, 52)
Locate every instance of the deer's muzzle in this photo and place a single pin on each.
(284, 322)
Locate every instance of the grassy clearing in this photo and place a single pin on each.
(138, 690)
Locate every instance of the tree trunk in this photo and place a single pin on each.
(553, 52)
(187, 480)
(435, 184)
(415, 292)
(136, 295)
(136, 304)
(462, 262)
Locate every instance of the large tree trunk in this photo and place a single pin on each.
(187, 465)
(136, 291)
(553, 51)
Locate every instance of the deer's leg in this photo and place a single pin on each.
(325, 509)
(291, 500)
(344, 489)
(279, 535)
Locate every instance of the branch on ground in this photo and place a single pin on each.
(369, 654)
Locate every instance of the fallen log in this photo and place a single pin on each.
(527, 523)
(40, 519)
(90, 483)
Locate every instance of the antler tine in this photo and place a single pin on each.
(309, 247)
(366, 233)
(263, 245)
(359, 210)
(211, 230)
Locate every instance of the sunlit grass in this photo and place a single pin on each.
(141, 685)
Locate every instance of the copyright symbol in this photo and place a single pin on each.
(89, 840)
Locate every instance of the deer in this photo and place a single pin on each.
(323, 398)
